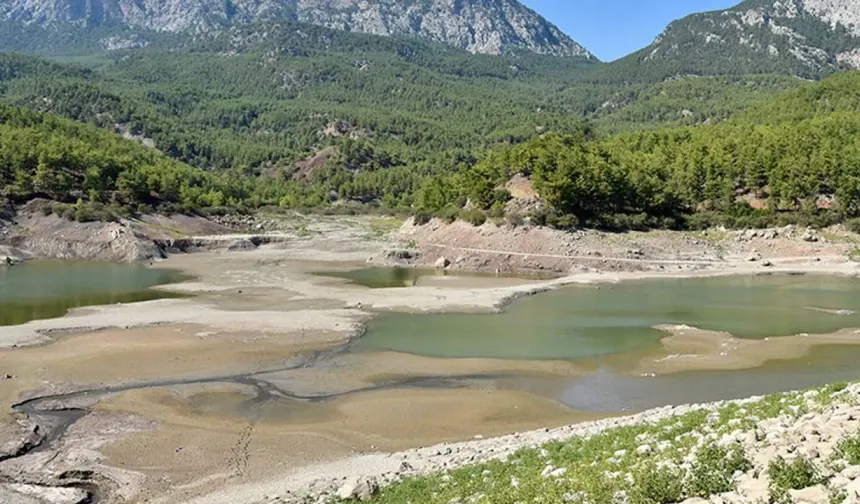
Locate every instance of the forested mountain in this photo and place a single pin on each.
(261, 98)
(479, 26)
(297, 115)
(266, 94)
(807, 38)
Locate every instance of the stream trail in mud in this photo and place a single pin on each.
(55, 414)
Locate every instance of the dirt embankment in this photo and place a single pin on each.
(506, 248)
(30, 233)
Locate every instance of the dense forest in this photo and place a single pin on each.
(795, 159)
(93, 174)
(798, 156)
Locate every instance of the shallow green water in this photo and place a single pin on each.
(384, 278)
(608, 391)
(584, 321)
(39, 290)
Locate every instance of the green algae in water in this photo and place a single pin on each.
(379, 278)
(584, 321)
(40, 290)
(386, 278)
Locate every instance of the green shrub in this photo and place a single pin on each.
(62, 210)
(849, 449)
(449, 213)
(657, 486)
(474, 217)
(515, 219)
(714, 469)
(853, 225)
(93, 212)
(497, 211)
(562, 221)
(539, 217)
(795, 475)
(500, 197)
(422, 217)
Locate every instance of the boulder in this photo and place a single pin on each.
(400, 255)
(754, 256)
(853, 489)
(810, 236)
(442, 263)
(644, 450)
(812, 495)
(242, 244)
(851, 472)
(360, 489)
(36, 494)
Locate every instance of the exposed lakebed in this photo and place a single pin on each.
(577, 346)
(39, 290)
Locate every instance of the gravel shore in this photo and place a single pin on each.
(812, 426)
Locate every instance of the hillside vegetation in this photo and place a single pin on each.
(96, 175)
(797, 156)
(398, 111)
(414, 125)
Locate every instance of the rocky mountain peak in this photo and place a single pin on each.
(479, 26)
(803, 37)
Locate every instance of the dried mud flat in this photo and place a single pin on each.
(245, 392)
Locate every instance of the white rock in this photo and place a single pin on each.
(853, 489)
(810, 236)
(442, 263)
(361, 489)
(561, 471)
(53, 495)
(644, 450)
(753, 488)
(851, 472)
(812, 495)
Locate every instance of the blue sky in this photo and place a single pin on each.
(614, 28)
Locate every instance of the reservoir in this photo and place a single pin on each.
(587, 321)
(39, 290)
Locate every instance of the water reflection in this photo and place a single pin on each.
(41, 290)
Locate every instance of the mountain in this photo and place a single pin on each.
(479, 26)
(806, 38)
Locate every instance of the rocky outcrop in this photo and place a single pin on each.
(479, 26)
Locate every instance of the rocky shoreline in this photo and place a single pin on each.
(811, 426)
